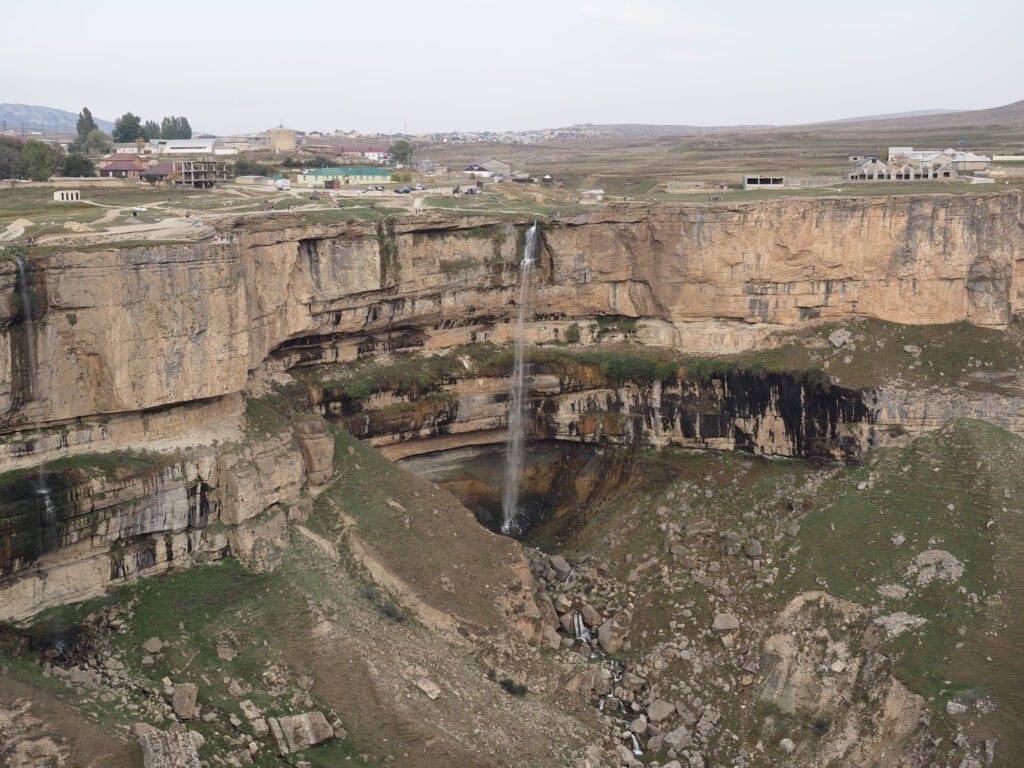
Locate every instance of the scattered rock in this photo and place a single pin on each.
(725, 622)
(895, 624)
(660, 710)
(839, 337)
(678, 739)
(429, 687)
(935, 564)
(183, 702)
(561, 567)
(163, 749)
(298, 732)
(954, 707)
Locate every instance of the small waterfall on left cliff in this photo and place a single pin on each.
(49, 511)
(518, 389)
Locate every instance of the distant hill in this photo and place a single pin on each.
(36, 118)
(629, 130)
(889, 116)
(1008, 115)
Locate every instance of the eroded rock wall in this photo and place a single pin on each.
(141, 328)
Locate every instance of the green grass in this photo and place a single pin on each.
(114, 465)
(267, 415)
(846, 548)
(194, 610)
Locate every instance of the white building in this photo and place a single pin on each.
(191, 147)
(933, 160)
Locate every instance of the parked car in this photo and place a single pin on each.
(140, 208)
(716, 198)
(420, 186)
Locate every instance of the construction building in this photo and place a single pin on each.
(199, 174)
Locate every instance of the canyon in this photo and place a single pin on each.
(199, 403)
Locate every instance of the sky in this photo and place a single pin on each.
(445, 65)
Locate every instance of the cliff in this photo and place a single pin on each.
(143, 329)
(151, 349)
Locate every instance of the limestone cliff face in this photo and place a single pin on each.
(143, 329)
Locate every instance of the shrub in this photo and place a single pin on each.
(510, 685)
(572, 334)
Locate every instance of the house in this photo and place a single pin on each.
(67, 196)
(489, 168)
(869, 168)
(320, 177)
(122, 166)
(592, 195)
(158, 172)
(856, 157)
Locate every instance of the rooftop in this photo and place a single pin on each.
(348, 172)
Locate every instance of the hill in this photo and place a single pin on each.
(39, 118)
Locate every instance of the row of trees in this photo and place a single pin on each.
(38, 161)
(129, 127)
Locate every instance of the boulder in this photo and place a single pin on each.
(787, 746)
(297, 732)
(725, 622)
(162, 749)
(153, 645)
(561, 567)
(603, 682)
(429, 688)
(632, 682)
(660, 710)
(955, 707)
(609, 636)
(639, 726)
(590, 616)
(550, 638)
(184, 700)
(839, 337)
(678, 739)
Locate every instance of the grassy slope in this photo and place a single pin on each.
(194, 610)
(956, 491)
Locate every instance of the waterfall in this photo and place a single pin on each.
(518, 390)
(49, 517)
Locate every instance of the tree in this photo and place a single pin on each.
(85, 125)
(78, 165)
(151, 130)
(176, 128)
(39, 161)
(401, 152)
(245, 167)
(127, 128)
(96, 141)
(10, 158)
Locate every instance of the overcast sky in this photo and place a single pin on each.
(443, 65)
